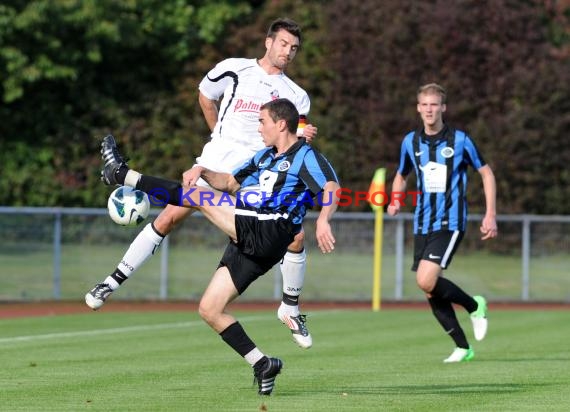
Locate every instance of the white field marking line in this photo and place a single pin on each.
(126, 329)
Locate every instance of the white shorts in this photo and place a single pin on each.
(223, 156)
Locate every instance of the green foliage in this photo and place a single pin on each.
(215, 15)
(62, 40)
(30, 171)
(508, 80)
(72, 71)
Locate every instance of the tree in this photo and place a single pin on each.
(72, 71)
(508, 83)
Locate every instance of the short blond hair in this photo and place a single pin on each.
(433, 88)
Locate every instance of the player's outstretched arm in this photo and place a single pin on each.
(224, 182)
(325, 237)
(489, 224)
(398, 186)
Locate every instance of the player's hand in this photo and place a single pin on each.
(393, 210)
(310, 132)
(489, 228)
(325, 238)
(191, 176)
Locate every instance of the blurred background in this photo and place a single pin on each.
(72, 71)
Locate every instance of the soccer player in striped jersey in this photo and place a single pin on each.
(242, 86)
(290, 174)
(440, 155)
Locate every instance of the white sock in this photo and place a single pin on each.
(253, 356)
(293, 272)
(143, 247)
(132, 178)
(113, 284)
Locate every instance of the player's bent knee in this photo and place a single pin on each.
(425, 284)
(424, 287)
(205, 312)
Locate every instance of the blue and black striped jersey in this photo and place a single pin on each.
(440, 163)
(287, 183)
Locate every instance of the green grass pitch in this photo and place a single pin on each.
(361, 361)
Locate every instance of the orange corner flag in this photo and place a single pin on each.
(377, 190)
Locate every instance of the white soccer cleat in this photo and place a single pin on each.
(297, 325)
(96, 297)
(460, 355)
(479, 318)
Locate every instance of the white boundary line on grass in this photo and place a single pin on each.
(141, 328)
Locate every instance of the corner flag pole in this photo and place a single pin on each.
(375, 192)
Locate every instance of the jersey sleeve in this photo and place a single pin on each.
(472, 154)
(316, 171)
(406, 164)
(216, 80)
(304, 104)
(303, 107)
(248, 173)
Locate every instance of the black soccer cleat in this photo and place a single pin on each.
(265, 375)
(113, 161)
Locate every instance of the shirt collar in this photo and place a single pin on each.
(441, 135)
(292, 149)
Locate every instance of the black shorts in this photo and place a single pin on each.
(438, 247)
(262, 241)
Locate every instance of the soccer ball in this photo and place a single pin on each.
(128, 206)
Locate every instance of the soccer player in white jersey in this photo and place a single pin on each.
(243, 85)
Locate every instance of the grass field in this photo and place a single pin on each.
(361, 361)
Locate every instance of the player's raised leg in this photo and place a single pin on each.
(146, 242)
(219, 208)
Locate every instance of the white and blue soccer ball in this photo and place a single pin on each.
(128, 206)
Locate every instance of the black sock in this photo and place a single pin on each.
(120, 174)
(119, 276)
(445, 315)
(162, 191)
(290, 300)
(447, 290)
(235, 336)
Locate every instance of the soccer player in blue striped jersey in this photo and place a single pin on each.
(289, 172)
(230, 96)
(440, 155)
(283, 180)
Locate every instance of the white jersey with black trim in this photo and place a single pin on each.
(244, 87)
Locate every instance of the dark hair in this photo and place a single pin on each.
(283, 109)
(285, 23)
